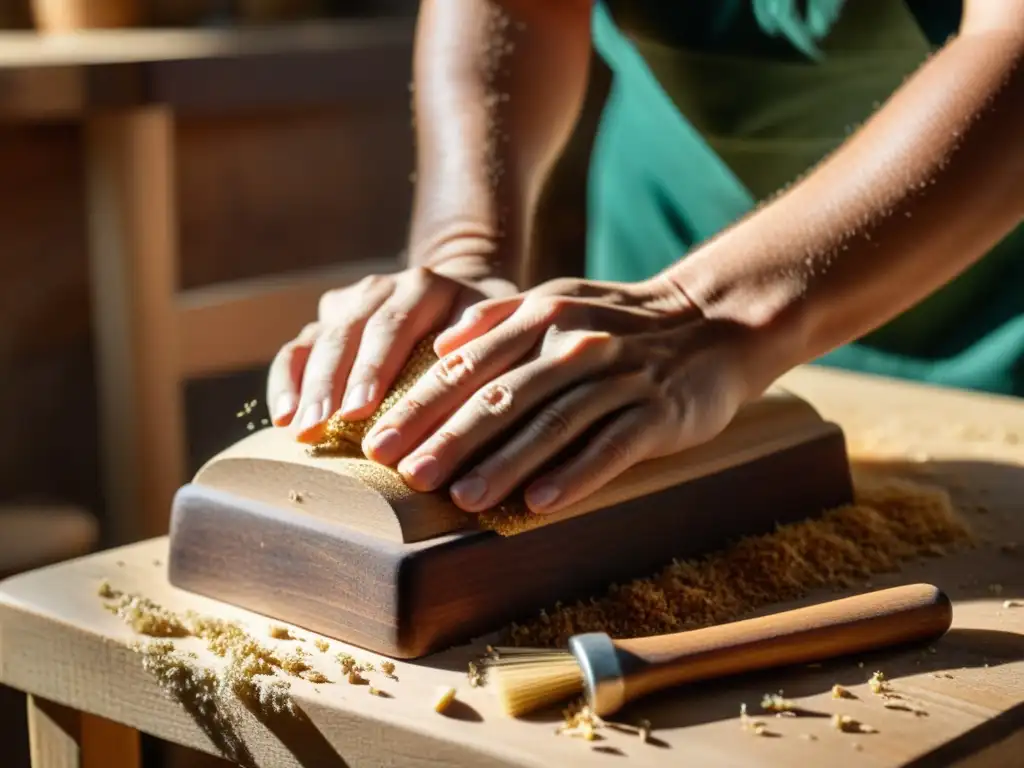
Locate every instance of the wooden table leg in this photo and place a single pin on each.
(60, 737)
(134, 263)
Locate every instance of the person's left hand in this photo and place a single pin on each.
(525, 376)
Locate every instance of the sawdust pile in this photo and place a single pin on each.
(340, 436)
(254, 673)
(891, 521)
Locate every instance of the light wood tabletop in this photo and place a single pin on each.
(90, 694)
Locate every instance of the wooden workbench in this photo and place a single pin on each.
(59, 645)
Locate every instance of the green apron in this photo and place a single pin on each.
(716, 106)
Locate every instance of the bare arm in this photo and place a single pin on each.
(923, 190)
(928, 185)
(498, 86)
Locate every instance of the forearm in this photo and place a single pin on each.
(498, 86)
(924, 189)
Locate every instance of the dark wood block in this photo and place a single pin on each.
(354, 567)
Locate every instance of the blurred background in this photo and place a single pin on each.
(180, 181)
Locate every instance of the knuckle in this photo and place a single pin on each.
(499, 468)
(388, 318)
(557, 306)
(328, 303)
(546, 308)
(601, 347)
(494, 400)
(611, 452)
(565, 286)
(442, 440)
(410, 407)
(552, 424)
(420, 275)
(373, 282)
(453, 369)
(308, 333)
(337, 335)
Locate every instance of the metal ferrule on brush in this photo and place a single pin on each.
(603, 672)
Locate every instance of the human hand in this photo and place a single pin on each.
(363, 336)
(636, 368)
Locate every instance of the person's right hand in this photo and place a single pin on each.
(362, 338)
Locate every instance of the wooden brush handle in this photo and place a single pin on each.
(866, 622)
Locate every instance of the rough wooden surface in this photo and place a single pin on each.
(58, 642)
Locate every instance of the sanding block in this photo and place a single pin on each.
(340, 546)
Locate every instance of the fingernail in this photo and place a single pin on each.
(356, 398)
(284, 405)
(424, 472)
(470, 490)
(314, 414)
(384, 446)
(543, 495)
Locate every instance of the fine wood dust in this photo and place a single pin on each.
(891, 521)
(254, 673)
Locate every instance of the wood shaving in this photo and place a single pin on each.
(581, 722)
(146, 617)
(839, 692)
(476, 678)
(774, 702)
(878, 684)
(893, 521)
(295, 663)
(321, 645)
(106, 591)
(388, 668)
(281, 633)
(444, 699)
(354, 678)
(847, 724)
(295, 497)
(1013, 603)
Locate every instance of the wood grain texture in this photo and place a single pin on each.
(56, 641)
(363, 563)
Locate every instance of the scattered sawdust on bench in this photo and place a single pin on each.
(890, 522)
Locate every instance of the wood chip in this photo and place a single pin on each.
(445, 697)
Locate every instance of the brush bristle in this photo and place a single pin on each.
(530, 680)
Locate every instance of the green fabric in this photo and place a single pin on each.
(716, 106)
